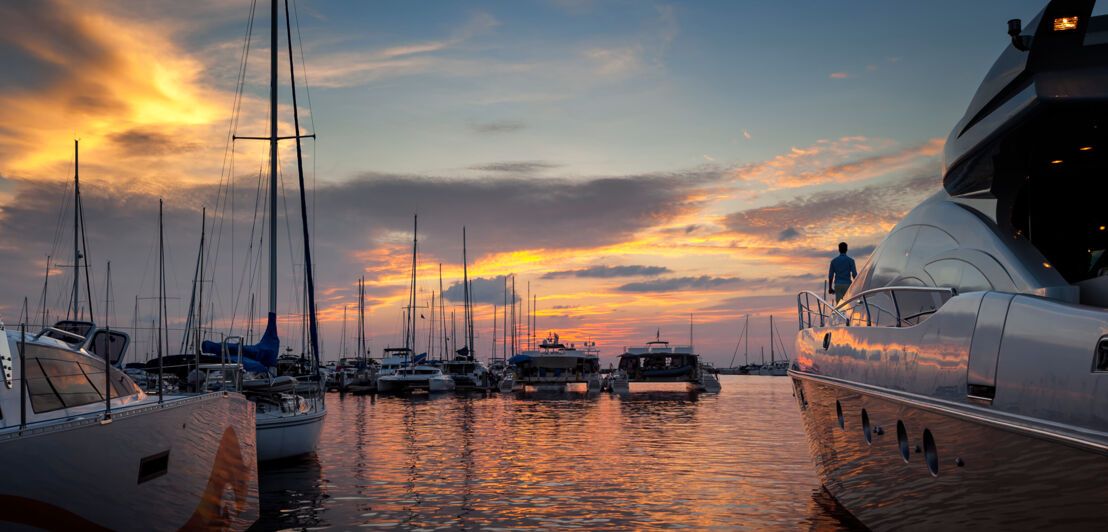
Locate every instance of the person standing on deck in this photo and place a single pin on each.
(841, 273)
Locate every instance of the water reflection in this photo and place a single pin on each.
(654, 458)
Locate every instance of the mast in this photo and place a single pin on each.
(442, 317)
(76, 231)
(746, 331)
(409, 323)
(161, 299)
(313, 325)
(200, 292)
(528, 343)
(771, 339)
(467, 326)
(273, 159)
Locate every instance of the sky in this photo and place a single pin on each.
(637, 166)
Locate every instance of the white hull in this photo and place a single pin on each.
(76, 474)
(708, 383)
(406, 383)
(289, 435)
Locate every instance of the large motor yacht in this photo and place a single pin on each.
(658, 361)
(962, 382)
(553, 366)
(74, 459)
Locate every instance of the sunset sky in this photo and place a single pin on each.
(635, 162)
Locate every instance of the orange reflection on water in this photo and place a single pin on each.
(655, 458)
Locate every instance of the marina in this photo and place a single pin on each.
(584, 190)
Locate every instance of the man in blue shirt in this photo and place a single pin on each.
(841, 273)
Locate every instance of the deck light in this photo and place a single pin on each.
(1086, 148)
(1102, 228)
(1065, 23)
(1056, 161)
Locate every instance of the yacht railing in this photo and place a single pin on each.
(889, 306)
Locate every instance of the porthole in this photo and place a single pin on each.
(866, 428)
(839, 411)
(902, 440)
(930, 453)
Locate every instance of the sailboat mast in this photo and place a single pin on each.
(771, 338)
(313, 325)
(76, 232)
(466, 328)
(409, 335)
(273, 158)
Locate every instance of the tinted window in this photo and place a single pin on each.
(882, 311)
(959, 274)
(63, 379)
(892, 257)
(916, 306)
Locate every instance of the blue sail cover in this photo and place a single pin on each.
(264, 352)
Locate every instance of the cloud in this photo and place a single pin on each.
(482, 290)
(703, 282)
(140, 142)
(515, 167)
(788, 234)
(894, 59)
(839, 75)
(707, 158)
(746, 133)
(842, 160)
(834, 212)
(499, 126)
(604, 272)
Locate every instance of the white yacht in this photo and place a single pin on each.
(423, 377)
(962, 382)
(468, 373)
(553, 366)
(658, 361)
(73, 460)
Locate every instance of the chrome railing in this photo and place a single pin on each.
(889, 306)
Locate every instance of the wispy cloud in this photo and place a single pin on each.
(498, 126)
(604, 272)
(515, 167)
(839, 75)
(701, 283)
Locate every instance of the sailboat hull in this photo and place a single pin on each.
(288, 436)
(186, 464)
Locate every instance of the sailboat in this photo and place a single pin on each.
(288, 424)
(413, 375)
(467, 372)
(83, 447)
(776, 367)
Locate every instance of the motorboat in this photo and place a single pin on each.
(553, 366)
(418, 377)
(75, 459)
(962, 381)
(467, 373)
(658, 361)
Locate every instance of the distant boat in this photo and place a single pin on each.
(658, 361)
(411, 374)
(553, 366)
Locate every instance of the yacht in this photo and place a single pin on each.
(553, 366)
(410, 378)
(75, 459)
(962, 382)
(658, 361)
(468, 373)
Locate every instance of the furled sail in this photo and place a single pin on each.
(264, 352)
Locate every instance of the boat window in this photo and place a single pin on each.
(959, 274)
(63, 379)
(916, 306)
(882, 311)
(1054, 194)
(114, 342)
(929, 242)
(857, 313)
(892, 257)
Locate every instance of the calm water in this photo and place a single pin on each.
(656, 458)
